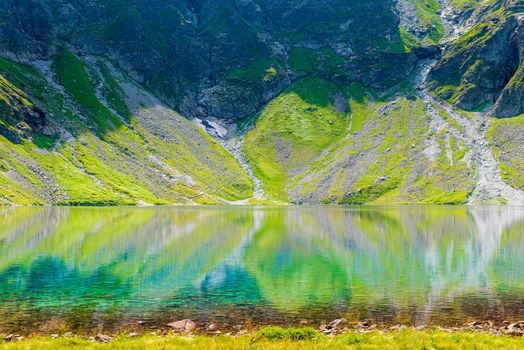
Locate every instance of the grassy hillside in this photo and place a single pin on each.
(375, 152)
(291, 131)
(108, 141)
(507, 136)
(340, 123)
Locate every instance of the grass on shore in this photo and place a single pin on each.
(278, 338)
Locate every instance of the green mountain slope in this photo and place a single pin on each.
(413, 143)
(331, 101)
(106, 140)
(376, 152)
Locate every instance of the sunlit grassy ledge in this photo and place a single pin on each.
(278, 338)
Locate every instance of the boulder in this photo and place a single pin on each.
(103, 338)
(182, 325)
(334, 327)
(516, 328)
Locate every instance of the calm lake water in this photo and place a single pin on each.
(104, 269)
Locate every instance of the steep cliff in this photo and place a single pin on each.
(482, 68)
(221, 59)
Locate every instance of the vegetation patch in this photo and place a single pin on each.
(291, 131)
(428, 12)
(261, 69)
(375, 340)
(506, 137)
(113, 93)
(72, 75)
(108, 162)
(309, 61)
(286, 334)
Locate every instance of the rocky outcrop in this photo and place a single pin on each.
(511, 100)
(18, 116)
(182, 325)
(481, 68)
(208, 59)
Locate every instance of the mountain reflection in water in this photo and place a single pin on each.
(93, 268)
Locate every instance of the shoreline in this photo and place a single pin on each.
(268, 204)
(475, 336)
(187, 327)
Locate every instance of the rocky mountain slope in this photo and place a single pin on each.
(222, 59)
(103, 139)
(331, 101)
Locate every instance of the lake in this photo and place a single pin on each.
(106, 269)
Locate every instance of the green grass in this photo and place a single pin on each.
(381, 160)
(109, 162)
(44, 141)
(261, 69)
(318, 61)
(301, 145)
(428, 15)
(12, 193)
(9, 92)
(72, 75)
(42, 94)
(14, 105)
(409, 41)
(506, 140)
(286, 334)
(393, 160)
(113, 93)
(291, 131)
(461, 5)
(276, 338)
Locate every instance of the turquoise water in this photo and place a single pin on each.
(110, 268)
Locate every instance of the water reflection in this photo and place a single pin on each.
(93, 267)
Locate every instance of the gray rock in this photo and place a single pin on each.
(103, 338)
(182, 325)
(339, 323)
(516, 328)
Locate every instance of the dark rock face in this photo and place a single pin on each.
(19, 118)
(226, 59)
(482, 66)
(208, 58)
(511, 101)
